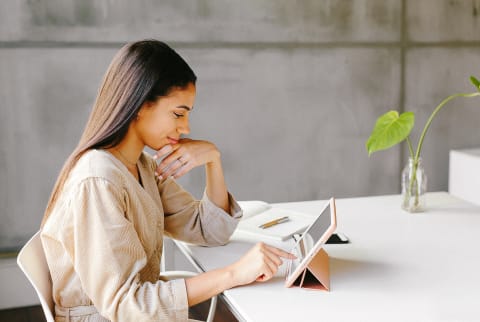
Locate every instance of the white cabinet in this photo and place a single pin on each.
(464, 175)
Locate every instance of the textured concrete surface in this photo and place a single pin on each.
(446, 20)
(289, 91)
(228, 21)
(292, 124)
(46, 97)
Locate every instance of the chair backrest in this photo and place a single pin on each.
(32, 262)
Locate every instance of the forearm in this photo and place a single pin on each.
(260, 263)
(215, 184)
(206, 285)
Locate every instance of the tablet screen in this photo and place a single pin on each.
(310, 238)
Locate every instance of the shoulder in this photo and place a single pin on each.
(98, 164)
(95, 177)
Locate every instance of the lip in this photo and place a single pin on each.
(172, 141)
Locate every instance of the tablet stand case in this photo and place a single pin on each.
(317, 273)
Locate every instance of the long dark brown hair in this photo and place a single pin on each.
(140, 72)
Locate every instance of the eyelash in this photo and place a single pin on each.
(177, 115)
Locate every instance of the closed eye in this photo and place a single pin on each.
(178, 115)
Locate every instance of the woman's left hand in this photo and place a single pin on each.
(182, 157)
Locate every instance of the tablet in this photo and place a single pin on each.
(311, 241)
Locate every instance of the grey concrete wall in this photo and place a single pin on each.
(289, 90)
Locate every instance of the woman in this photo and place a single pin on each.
(104, 224)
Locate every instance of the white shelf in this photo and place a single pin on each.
(464, 175)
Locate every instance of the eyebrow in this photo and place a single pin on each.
(185, 107)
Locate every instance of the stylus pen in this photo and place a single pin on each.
(274, 222)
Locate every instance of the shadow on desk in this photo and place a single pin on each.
(341, 268)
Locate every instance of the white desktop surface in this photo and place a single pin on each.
(398, 266)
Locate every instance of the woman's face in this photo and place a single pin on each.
(163, 122)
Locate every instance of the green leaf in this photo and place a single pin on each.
(390, 129)
(475, 82)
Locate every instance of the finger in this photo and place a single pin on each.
(166, 149)
(272, 257)
(270, 261)
(160, 178)
(272, 269)
(181, 155)
(261, 278)
(274, 262)
(183, 170)
(161, 172)
(172, 168)
(281, 252)
(267, 273)
(185, 158)
(179, 152)
(168, 162)
(162, 169)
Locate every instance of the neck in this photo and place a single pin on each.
(126, 160)
(127, 155)
(128, 151)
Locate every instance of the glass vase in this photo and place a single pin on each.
(414, 186)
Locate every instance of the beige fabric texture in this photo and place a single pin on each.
(103, 241)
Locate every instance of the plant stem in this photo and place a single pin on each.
(438, 108)
(413, 180)
(414, 174)
(420, 143)
(410, 147)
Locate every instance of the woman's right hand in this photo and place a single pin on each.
(259, 264)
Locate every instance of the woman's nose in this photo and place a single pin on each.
(184, 127)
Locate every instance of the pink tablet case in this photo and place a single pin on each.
(317, 273)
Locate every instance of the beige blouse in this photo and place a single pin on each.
(103, 240)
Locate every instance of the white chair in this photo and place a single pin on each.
(32, 262)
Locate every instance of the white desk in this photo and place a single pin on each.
(398, 266)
